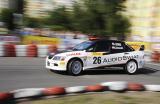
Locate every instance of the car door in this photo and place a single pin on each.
(96, 53)
(107, 54)
(117, 54)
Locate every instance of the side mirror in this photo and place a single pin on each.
(90, 50)
(142, 48)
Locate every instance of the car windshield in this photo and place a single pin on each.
(83, 46)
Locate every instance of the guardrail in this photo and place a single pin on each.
(155, 56)
(11, 50)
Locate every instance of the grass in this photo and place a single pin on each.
(104, 98)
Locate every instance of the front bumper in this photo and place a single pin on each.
(55, 65)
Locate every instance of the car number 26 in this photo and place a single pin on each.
(96, 60)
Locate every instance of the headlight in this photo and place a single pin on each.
(59, 58)
(51, 55)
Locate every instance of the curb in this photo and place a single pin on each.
(56, 91)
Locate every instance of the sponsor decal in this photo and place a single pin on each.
(99, 60)
(97, 53)
(84, 58)
(119, 58)
(74, 54)
(141, 63)
(117, 46)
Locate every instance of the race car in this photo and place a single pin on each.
(97, 53)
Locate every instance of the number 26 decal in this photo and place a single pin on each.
(96, 60)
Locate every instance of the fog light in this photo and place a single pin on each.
(55, 64)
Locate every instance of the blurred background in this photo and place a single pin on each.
(65, 23)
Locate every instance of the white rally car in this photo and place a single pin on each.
(97, 53)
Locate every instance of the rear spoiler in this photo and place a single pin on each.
(142, 48)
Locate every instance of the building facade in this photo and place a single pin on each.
(4, 4)
(145, 20)
(40, 8)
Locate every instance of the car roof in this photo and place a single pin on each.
(99, 40)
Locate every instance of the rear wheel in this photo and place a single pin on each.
(131, 67)
(75, 67)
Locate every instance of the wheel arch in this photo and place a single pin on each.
(74, 58)
(134, 61)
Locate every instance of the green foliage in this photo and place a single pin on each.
(57, 28)
(7, 17)
(86, 20)
(59, 19)
(32, 22)
(96, 17)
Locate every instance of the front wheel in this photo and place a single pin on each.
(75, 67)
(131, 67)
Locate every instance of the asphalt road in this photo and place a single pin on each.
(21, 72)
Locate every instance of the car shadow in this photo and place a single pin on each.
(109, 71)
(117, 71)
(147, 70)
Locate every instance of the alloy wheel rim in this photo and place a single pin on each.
(76, 67)
(131, 67)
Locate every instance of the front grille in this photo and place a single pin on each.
(50, 56)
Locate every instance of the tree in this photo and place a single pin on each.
(117, 25)
(59, 19)
(79, 19)
(96, 17)
(20, 6)
(7, 17)
(32, 22)
(101, 17)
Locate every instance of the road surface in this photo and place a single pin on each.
(25, 72)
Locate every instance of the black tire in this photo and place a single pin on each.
(131, 67)
(75, 67)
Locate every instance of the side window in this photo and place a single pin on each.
(102, 46)
(117, 47)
